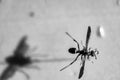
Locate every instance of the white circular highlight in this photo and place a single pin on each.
(101, 32)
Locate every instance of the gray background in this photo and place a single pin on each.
(46, 21)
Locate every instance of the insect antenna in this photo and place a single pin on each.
(26, 75)
(73, 40)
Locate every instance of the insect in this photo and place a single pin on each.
(85, 53)
(18, 60)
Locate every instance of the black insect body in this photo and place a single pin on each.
(85, 53)
(18, 60)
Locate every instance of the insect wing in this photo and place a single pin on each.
(81, 70)
(8, 73)
(22, 46)
(88, 36)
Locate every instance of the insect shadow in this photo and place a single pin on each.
(85, 53)
(20, 59)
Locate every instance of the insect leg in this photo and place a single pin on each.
(82, 57)
(96, 52)
(26, 75)
(88, 57)
(95, 56)
(71, 62)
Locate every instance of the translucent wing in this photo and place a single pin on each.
(88, 36)
(81, 70)
(22, 46)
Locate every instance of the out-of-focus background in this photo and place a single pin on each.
(46, 21)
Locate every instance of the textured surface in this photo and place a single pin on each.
(46, 21)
